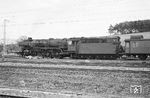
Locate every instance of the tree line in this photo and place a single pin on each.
(129, 27)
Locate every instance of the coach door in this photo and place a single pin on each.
(127, 47)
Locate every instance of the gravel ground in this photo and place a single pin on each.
(78, 81)
(74, 81)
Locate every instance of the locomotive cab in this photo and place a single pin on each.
(72, 46)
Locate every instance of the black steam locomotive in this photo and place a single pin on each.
(52, 48)
(86, 48)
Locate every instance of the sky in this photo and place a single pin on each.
(43, 19)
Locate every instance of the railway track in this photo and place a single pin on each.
(10, 96)
(72, 66)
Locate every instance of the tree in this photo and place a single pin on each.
(1, 47)
(130, 27)
(22, 38)
(11, 48)
(110, 30)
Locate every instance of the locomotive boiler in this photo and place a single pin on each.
(43, 47)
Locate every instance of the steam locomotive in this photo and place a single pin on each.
(43, 47)
(108, 47)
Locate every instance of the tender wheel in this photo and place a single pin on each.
(143, 57)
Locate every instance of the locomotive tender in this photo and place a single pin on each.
(94, 48)
(87, 48)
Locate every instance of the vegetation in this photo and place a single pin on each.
(11, 48)
(22, 38)
(1, 47)
(129, 27)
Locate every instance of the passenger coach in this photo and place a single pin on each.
(136, 46)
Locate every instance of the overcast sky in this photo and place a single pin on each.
(68, 18)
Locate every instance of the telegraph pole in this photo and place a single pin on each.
(4, 41)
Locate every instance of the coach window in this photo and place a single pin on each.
(69, 42)
(127, 44)
(73, 42)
